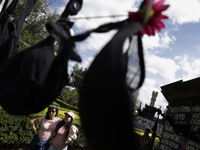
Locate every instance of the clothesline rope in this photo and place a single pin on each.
(94, 17)
(77, 75)
(24, 43)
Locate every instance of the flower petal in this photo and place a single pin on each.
(157, 27)
(160, 25)
(159, 3)
(134, 16)
(155, 22)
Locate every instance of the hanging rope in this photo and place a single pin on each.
(94, 17)
(24, 43)
(77, 75)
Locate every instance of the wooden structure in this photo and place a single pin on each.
(182, 125)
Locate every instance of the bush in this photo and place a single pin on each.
(65, 105)
(15, 131)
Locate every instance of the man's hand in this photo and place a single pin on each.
(36, 132)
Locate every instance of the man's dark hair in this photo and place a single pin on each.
(148, 130)
(51, 108)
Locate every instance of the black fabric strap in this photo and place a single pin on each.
(27, 10)
(72, 8)
(4, 7)
(142, 65)
(11, 7)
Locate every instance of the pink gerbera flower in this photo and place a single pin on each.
(155, 19)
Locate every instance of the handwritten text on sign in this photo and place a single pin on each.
(181, 115)
(195, 93)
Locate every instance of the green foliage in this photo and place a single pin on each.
(34, 29)
(15, 130)
(65, 105)
(78, 74)
(70, 96)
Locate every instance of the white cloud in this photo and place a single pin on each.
(190, 67)
(95, 41)
(177, 57)
(166, 40)
(84, 47)
(107, 7)
(160, 41)
(59, 10)
(164, 67)
(86, 62)
(102, 8)
(183, 11)
(151, 42)
(197, 47)
(180, 11)
(71, 32)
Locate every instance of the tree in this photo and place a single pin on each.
(77, 75)
(70, 95)
(34, 29)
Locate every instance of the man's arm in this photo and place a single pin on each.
(32, 124)
(141, 143)
(147, 142)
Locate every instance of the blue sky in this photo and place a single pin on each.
(170, 55)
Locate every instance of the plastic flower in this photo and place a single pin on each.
(155, 17)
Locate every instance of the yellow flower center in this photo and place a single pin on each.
(143, 12)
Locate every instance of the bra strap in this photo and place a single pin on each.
(72, 8)
(11, 7)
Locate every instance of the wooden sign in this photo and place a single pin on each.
(184, 110)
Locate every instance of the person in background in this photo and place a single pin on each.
(145, 141)
(42, 138)
(65, 131)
